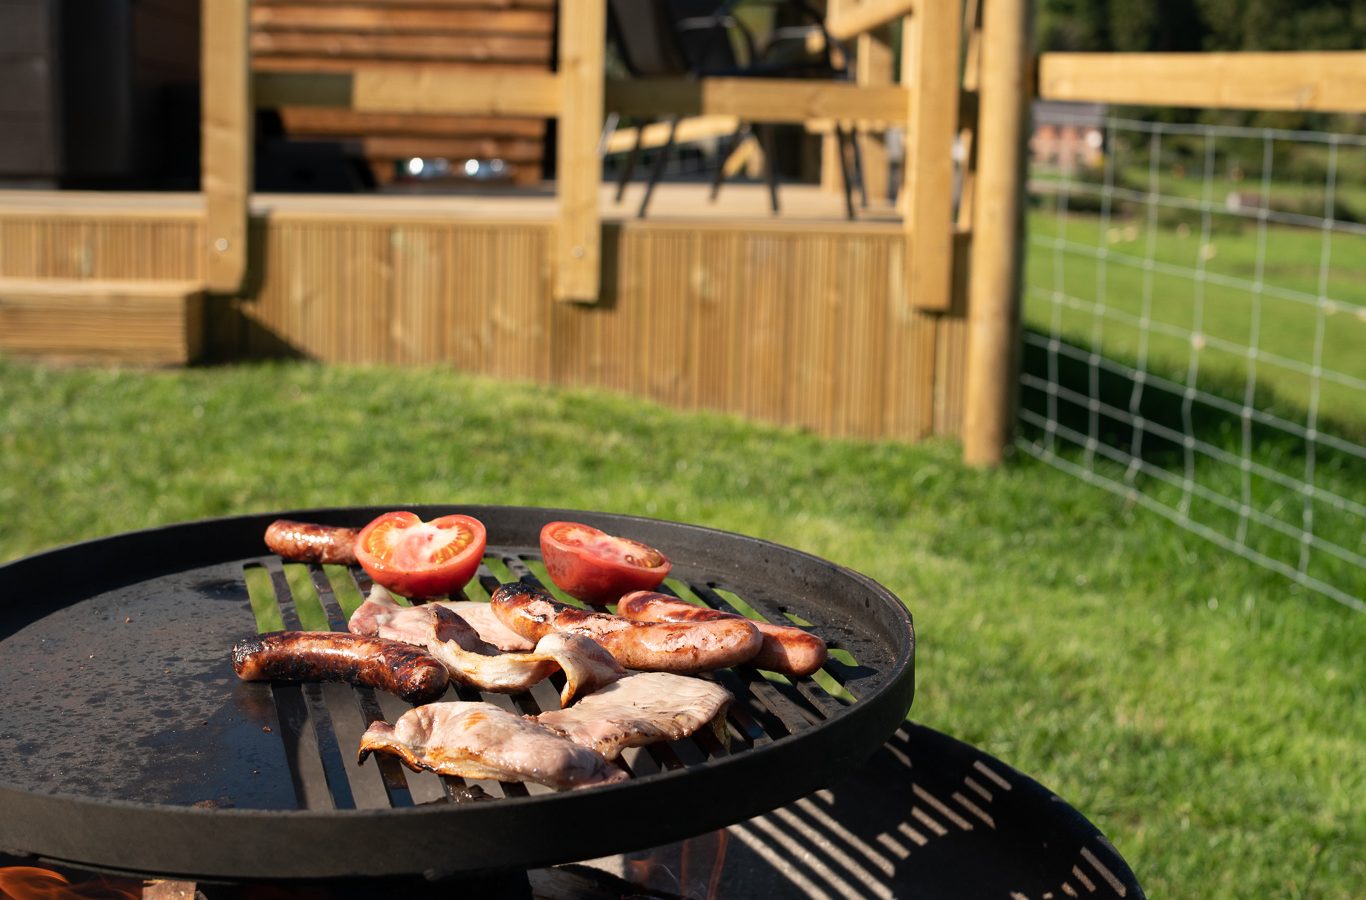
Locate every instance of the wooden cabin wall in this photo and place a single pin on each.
(314, 36)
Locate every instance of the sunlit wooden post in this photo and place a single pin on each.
(994, 281)
(931, 40)
(225, 142)
(578, 240)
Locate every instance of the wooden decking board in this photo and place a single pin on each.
(798, 319)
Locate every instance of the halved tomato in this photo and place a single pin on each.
(421, 559)
(597, 567)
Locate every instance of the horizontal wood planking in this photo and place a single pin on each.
(1329, 81)
(400, 20)
(758, 99)
(376, 47)
(102, 321)
(305, 54)
(509, 150)
(446, 89)
(319, 121)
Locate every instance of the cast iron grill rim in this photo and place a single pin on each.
(766, 720)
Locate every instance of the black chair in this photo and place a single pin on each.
(697, 39)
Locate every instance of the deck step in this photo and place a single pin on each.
(149, 323)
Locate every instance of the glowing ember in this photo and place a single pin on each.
(31, 883)
(690, 868)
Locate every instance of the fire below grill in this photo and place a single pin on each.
(128, 744)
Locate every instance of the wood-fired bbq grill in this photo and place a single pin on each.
(129, 746)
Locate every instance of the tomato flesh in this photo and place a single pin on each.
(421, 559)
(597, 567)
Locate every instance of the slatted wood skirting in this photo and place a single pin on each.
(802, 323)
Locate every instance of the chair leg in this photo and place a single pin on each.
(842, 140)
(631, 161)
(658, 168)
(858, 171)
(766, 140)
(732, 141)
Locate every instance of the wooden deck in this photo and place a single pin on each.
(799, 319)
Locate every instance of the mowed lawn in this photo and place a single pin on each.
(1211, 293)
(1088, 278)
(1208, 716)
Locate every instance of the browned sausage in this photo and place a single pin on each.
(657, 647)
(307, 542)
(786, 649)
(401, 669)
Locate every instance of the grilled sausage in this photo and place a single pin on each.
(659, 647)
(786, 649)
(402, 669)
(308, 542)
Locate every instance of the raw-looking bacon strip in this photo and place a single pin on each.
(472, 661)
(480, 740)
(644, 708)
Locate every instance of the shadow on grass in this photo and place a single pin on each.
(1249, 483)
(1113, 404)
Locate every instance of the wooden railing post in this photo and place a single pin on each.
(225, 142)
(931, 39)
(994, 282)
(578, 241)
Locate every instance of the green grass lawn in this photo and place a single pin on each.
(1207, 715)
(1224, 313)
(1085, 281)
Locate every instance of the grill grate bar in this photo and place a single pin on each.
(754, 719)
(423, 787)
(764, 709)
(353, 710)
(301, 749)
(313, 715)
(391, 772)
(849, 677)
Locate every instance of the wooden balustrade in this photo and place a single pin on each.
(962, 63)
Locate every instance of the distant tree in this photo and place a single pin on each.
(1073, 25)
(1188, 25)
(1284, 24)
(1155, 25)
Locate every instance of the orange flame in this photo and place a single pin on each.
(31, 883)
(690, 868)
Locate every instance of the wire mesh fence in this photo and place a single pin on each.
(1195, 331)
